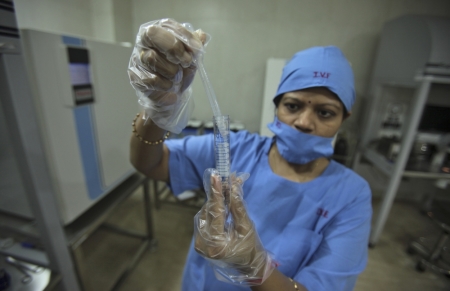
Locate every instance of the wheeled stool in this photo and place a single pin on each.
(434, 258)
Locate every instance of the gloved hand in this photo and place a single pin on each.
(231, 245)
(162, 68)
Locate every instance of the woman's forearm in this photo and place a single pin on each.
(277, 281)
(145, 157)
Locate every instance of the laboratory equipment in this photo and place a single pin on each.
(434, 255)
(412, 65)
(83, 119)
(44, 85)
(221, 134)
(27, 195)
(222, 152)
(409, 44)
(24, 276)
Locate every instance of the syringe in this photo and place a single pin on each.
(221, 134)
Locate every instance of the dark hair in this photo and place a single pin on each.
(277, 100)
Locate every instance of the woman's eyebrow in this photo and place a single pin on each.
(331, 104)
(337, 106)
(292, 99)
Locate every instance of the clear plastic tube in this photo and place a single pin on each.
(208, 88)
(221, 133)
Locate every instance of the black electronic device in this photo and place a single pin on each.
(435, 119)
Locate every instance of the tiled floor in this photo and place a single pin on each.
(389, 268)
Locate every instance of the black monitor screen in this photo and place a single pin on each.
(435, 119)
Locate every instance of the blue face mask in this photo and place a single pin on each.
(297, 147)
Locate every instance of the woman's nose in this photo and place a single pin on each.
(304, 122)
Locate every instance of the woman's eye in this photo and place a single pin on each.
(291, 106)
(326, 113)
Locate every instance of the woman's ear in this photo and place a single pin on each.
(347, 115)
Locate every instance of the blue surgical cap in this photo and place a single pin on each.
(320, 67)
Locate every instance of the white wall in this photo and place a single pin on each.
(102, 19)
(107, 20)
(123, 20)
(60, 16)
(245, 33)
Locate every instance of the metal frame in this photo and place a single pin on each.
(396, 171)
(81, 229)
(433, 257)
(420, 99)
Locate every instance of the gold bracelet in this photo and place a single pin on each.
(295, 284)
(146, 141)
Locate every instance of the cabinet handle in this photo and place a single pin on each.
(7, 46)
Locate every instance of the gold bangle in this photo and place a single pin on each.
(166, 135)
(295, 284)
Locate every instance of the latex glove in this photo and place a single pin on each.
(162, 68)
(231, 245)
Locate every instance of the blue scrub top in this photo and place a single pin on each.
(317, 231)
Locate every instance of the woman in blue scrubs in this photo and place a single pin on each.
(299, 220)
